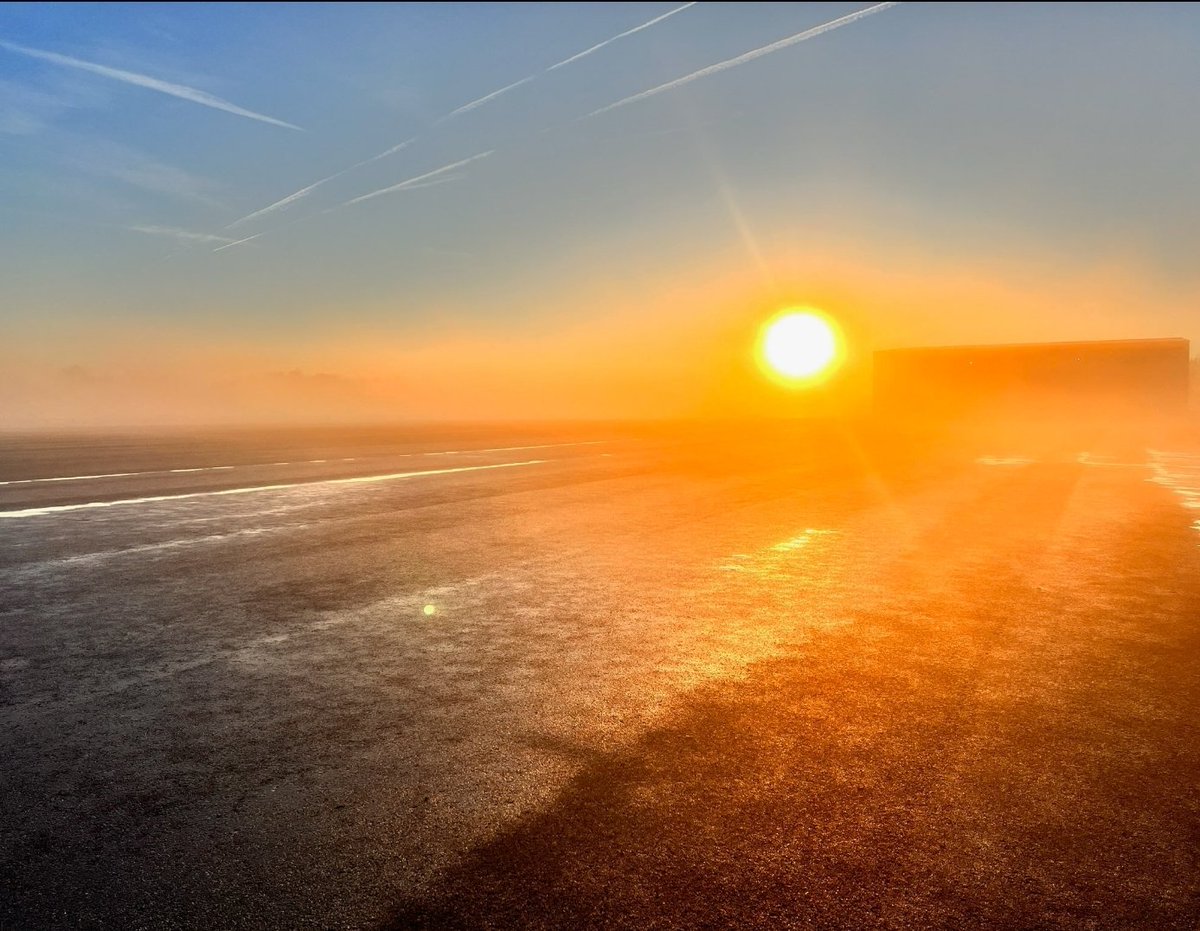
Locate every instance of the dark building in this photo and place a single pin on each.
(1132, 378)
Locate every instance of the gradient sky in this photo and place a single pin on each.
(929, 173)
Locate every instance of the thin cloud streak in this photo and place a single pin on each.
(305, 191)
(416, 182)
(748, 56)
(181, 235)
(622, 35)
(141, 80)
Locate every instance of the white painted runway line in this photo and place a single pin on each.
(84, 478)
(74, 478)
(258, 465)
(250, 489)
(509, 449)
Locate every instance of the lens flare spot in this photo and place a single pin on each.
(429, 610)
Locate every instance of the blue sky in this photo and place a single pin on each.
(1026, 137)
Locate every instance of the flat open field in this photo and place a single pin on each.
(796, 678)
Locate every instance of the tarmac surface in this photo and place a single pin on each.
(789, 680)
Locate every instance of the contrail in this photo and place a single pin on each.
(415, 182)
(230, 245)
(385, 153)
(466, 107)
(748, 56)
(305, 191)
(433, 182)
(622, 35)
(142, 80)
(284, 201)
(183, 235)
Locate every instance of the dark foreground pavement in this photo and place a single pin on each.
(1009, 740)
(660, 688)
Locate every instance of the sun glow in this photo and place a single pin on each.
(798, 345)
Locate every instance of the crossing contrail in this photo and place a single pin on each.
(305, 191)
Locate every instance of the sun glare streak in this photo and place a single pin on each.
(873, 476)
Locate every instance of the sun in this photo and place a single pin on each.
(798, 345)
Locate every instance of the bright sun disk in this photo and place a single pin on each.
(799, 344)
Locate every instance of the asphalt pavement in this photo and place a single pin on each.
(629, 682)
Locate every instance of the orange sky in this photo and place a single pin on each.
(680, 346)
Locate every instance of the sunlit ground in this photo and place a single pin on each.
(821, 672)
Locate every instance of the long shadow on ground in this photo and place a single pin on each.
(1010, 743)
